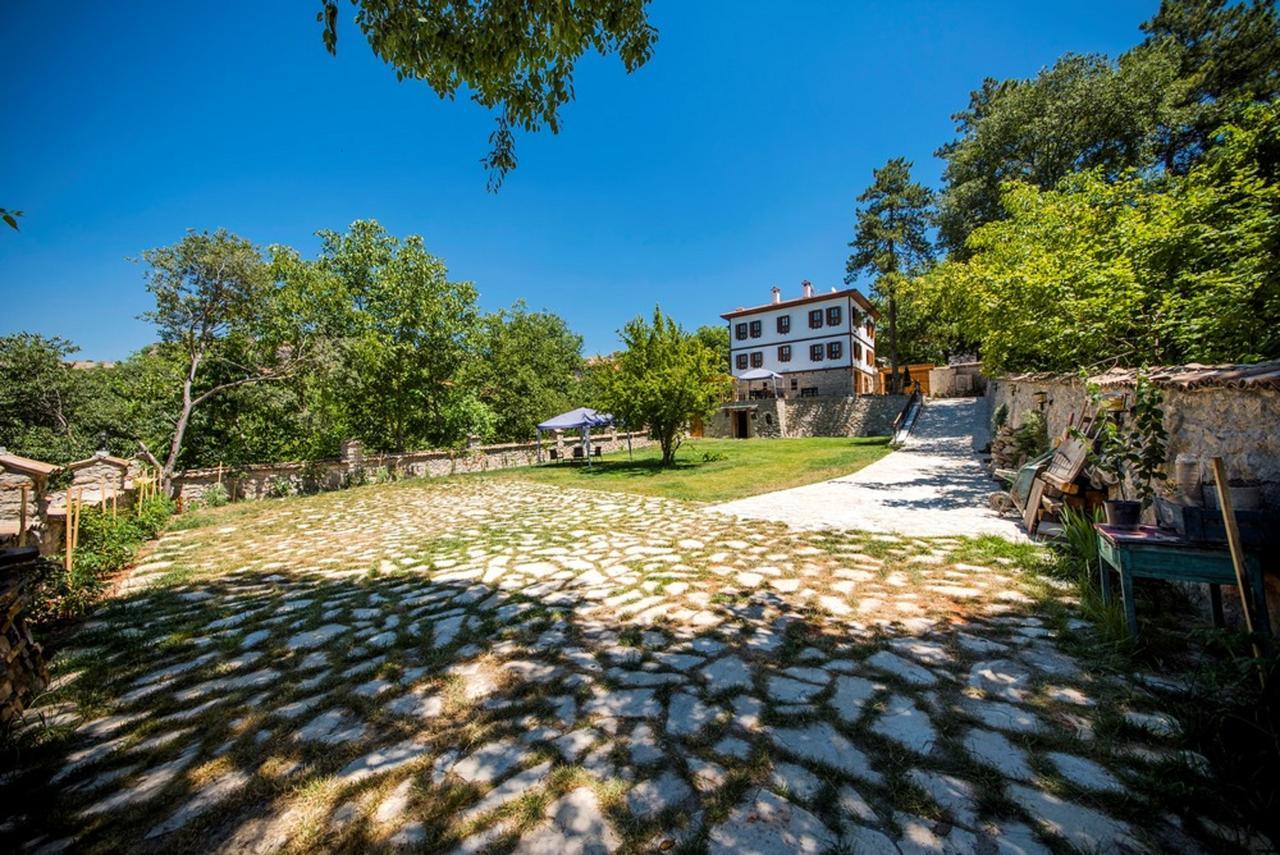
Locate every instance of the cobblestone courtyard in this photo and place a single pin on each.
(474, 665)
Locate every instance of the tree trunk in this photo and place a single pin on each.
(667, 439)
(895, 385)
(179, 429)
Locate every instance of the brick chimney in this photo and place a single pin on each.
(777, 295)
(808, 288)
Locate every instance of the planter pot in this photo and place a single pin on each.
(1122, 514)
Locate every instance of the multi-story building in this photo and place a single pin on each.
(815, 345)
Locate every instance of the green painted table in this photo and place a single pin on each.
(1147, 552)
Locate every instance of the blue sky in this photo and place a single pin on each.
(726, 165)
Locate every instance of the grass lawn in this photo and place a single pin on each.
(715, 470)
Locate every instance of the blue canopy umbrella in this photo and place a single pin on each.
(583, 420)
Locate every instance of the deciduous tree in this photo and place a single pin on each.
(525, 369)
(664, 378)
(218, 320)
(412, 331)
(515, 57)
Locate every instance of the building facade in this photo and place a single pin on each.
(820, 345)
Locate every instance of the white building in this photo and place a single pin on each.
(816, 344)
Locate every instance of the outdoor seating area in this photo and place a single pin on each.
(583, 420)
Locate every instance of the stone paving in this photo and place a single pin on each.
(474, 666)
(933, 485)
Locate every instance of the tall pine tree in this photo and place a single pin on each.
(890, 240)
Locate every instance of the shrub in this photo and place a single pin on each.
(215, 496)
(999, 418)
(151, 516)
(280, 487)
(106, 544)
(1032, 436)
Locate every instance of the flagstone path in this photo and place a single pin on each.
(933, 485)
(473, 666)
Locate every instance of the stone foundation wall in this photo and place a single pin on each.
(1240, 425)
(357, 467)
(830, 382)
(819, 416)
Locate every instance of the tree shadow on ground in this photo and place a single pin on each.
(499, 660)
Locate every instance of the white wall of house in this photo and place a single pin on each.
(848, 331)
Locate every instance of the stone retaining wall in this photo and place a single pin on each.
(866, 415)
(356, 467)
(1241, 425)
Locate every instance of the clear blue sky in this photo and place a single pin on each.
(727, 164)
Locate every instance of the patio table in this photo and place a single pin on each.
(1148, 552)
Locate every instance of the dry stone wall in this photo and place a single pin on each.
(1241, 425)
(868, 415)
(356, 467)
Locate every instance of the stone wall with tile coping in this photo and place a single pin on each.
(1241, 425)
(357, 466)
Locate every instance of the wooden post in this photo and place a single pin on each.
(75, 532)
(66, 539)
(102, 494)
(22, 515)
(219, 474)
(1237, 556)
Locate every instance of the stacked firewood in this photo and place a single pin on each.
(23, 673)
(1005, 453)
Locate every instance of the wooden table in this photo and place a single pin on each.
(1150, 553)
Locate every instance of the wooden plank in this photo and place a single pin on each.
(1237, 556)
(1067, 464)
(1031, 516)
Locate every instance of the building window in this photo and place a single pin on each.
(757, 359)
(741, 360)
(794, 384)
(768, 419)
(871, 328)
(833, 316)
(815, 353)
(740, 331)
(755, 329)
(871, 356)
(815, 319)
(809, 392)
(784, 324)
(857, 352)
(835, 349)
(784, 353)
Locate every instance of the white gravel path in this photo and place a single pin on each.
(934, 485)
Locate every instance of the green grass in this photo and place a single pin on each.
(714, 470)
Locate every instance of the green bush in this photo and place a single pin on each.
(999, 417)
(280, 487)
(106, 544)
(152, 516)
(215, 496)
(1032, 436)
